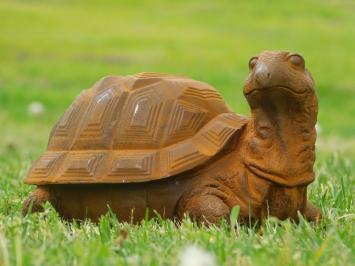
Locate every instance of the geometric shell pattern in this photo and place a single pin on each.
(136, 128)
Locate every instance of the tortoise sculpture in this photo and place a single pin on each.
(171, 144)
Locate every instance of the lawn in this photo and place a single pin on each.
(51, 50)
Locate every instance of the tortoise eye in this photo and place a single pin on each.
(296, 60)
(252, 62)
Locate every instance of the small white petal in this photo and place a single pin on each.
(35, 109)
(195, 256)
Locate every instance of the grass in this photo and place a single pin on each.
(43, 239)
(50, 51)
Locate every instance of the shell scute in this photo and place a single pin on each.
(132, 165)
(184, 121)
(139, 128)
(97, 124)
(64, 132)
(81, 166)
(45, 165)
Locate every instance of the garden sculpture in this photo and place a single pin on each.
(171, 145)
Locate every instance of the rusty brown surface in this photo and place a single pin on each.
(171, 144)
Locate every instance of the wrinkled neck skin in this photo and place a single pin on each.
(280, 141)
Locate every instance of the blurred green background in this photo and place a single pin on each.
(51, 50)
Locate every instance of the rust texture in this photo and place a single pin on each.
(171, 144)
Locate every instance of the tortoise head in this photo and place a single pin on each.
(278, 76)
(282, 98)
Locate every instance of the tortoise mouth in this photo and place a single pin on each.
(277, 87)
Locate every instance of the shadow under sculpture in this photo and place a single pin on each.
(171, 144)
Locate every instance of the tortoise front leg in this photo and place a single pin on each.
(203, 206)
(311, 212)
(35, 201)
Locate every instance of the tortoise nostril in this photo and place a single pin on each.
(262, 74)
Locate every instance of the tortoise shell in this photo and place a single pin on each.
(136, 128)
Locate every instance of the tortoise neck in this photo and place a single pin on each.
(281, 142)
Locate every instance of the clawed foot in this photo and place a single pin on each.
(35, 201)
(204, 208)
(312, 213)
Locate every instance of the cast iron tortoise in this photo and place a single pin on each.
(171, 144)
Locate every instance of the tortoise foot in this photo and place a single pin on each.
(205, 209)
(312, 213)
(35, 201)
